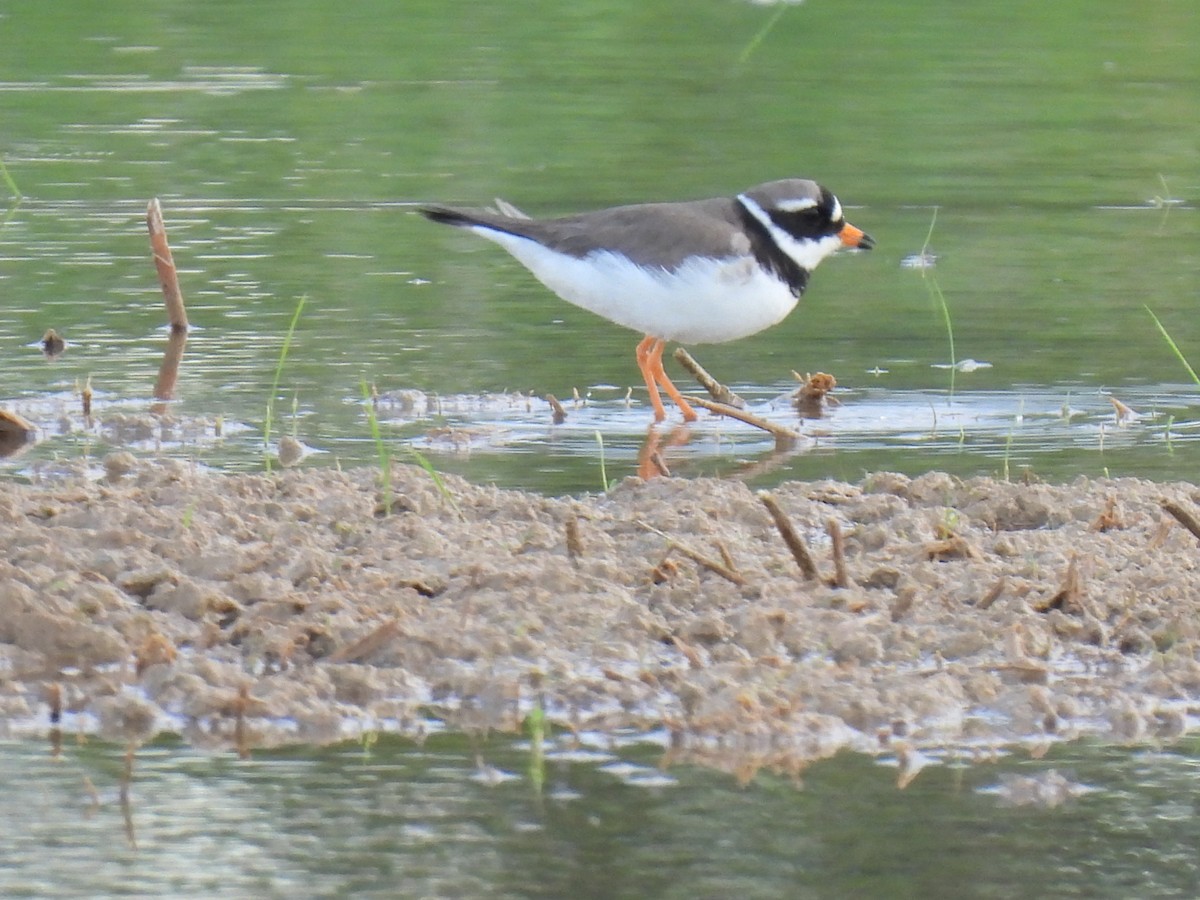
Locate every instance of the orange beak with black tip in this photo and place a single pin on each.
(856, 237)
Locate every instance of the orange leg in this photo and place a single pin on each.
(649, 357)
(645, 351)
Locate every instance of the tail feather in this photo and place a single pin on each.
(508, 220)
(446, 215)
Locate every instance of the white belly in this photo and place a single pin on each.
(706, 301)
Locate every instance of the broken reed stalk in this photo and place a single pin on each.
(85, 397)
(783, 435)
(1182, 515)
(165, 264)
(1068, 598)
(841, 577)
(711, 564)
(720, 392)
(794, 542)
(574, 542)
(726, 572)
(168, 371)
(168, 277)
(558, 414)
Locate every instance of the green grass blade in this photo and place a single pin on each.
(385, 462)
(1174, 347)
(603, 473)
(12, 185)
(762, 34)
(283, 353)
(420, 460)
(935, 292)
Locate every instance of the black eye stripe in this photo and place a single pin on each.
(811, 222)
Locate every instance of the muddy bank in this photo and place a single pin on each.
(266, 609)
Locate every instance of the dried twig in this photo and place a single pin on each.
(781, 433)
(690, 653)
(794, 542)
(720, 392)
(1109, 517)
(574, 543)
(711, 564)
(726, 556)
(367, 644)
(726, 572)
(993, 593)
(1182, 515)
(1068, 598)
(954, 545)
(840, 577)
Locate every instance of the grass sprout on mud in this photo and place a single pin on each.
(369, 396)
(269, 420)
(385, 461)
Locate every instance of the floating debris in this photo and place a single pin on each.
(923, 260)
(52, 345)
(1046, 790)
(810, 396)
(963, 365)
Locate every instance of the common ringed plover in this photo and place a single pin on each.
(704, 271)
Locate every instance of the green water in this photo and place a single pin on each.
(446, 820)
(1058, 142)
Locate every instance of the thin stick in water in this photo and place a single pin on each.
(783, 435)
(720, 392)
(168, 277)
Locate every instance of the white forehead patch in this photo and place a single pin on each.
(798, 205)
(836, 214)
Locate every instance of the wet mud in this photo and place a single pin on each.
(937, 615)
